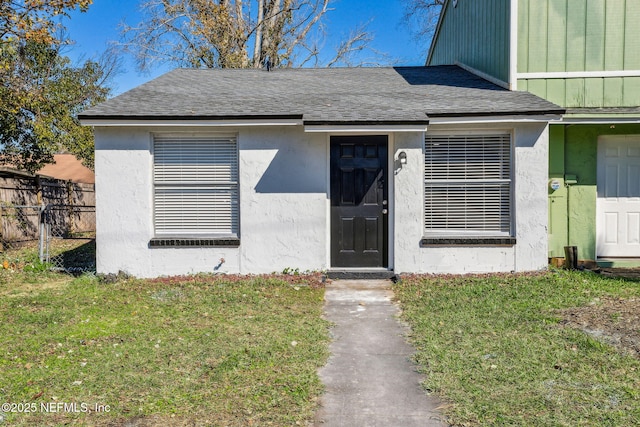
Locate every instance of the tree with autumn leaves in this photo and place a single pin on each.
(41, 92)
(34, 19)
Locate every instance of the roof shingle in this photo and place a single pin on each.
(327, 95)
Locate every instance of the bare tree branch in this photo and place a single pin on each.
(422, 18)
(222, 33)
(358, 41)
(311, 20)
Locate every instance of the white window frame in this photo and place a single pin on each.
(452, 195)
(201, 197)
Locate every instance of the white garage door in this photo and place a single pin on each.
(618, 204)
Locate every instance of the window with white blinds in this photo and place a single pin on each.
(467, 185)
(195, 185)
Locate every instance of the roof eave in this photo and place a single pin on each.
(364, 122)
(273, 120)
(552, 111)
(514, 117)
(366, 126)
(158, 120)
(9, 171)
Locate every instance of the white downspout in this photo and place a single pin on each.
(513, 46)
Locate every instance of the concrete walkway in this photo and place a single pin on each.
(369, 378)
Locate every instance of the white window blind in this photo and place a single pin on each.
(195, 185)
(467, 187)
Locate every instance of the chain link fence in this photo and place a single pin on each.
(56, 237)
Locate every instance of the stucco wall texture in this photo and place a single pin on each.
(530, 205)
(284, 206)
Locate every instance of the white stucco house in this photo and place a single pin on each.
(377, 170)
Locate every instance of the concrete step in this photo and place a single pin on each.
(345, 274)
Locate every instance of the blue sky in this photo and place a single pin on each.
(92, 31)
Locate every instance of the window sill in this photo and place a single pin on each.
(468, 241)
(190, 242)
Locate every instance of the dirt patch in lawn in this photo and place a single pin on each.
(613, 320)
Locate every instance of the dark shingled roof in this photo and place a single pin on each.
(320, 96)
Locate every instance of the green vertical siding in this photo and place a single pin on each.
(586, 92)
(537, 40)
(631, 29)
(613, 95)
(595, 35)
(593, 92)
(475, 33)
(556, 42)
(575, 39)
(631, 90)
(556, 91)
(578, 35)
(613, 36)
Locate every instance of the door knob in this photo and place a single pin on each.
(384, 211)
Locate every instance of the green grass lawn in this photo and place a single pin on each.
(495, 349)
(233, 351)
(201, 350)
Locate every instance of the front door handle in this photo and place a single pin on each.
(384, 211)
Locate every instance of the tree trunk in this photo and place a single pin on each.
(269, 41)
(257, 48)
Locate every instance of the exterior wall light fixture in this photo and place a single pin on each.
(402, 157)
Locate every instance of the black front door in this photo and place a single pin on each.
(359, 201)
